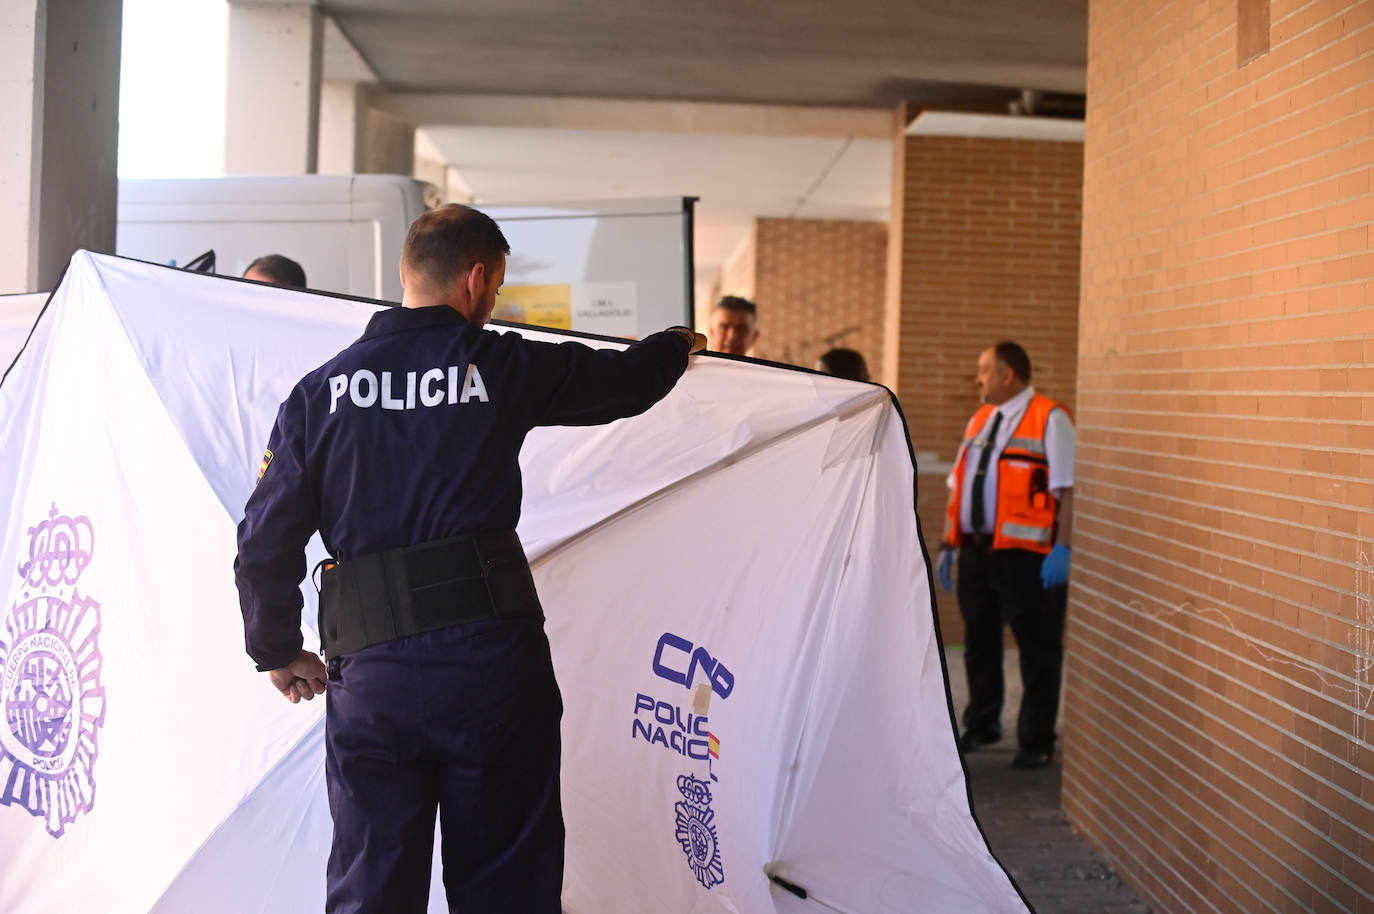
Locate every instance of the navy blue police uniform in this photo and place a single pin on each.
(409, 436)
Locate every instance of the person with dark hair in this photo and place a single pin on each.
(734, 326)
(843, 363)
(402, 451)
(1009, 520)
(276, 269)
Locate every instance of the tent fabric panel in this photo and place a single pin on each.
(172, 689)
(258, 859)
(252, 343)
(746, 579)
(878, 755)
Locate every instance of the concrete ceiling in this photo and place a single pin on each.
(738, 102)
(735, 178)
(813, 52)
(805, 177)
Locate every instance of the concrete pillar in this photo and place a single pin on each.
(272, 109)
(902, 115)
(356, 138)
(59, 89)
(343, 127)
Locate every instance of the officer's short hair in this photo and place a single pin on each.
(736, 303)
(278, 269)
(444, 243)
(1015, 358)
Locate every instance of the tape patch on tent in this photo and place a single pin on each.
(857, 435)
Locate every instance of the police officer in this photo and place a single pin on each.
(402, 451)
(1010, 517)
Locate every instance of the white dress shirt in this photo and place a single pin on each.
(1059, 454)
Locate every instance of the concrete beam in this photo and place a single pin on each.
(272, 112)
(995, 126)
(389, 147)
(342, 60)
(430, 166)
(426, 109)
(59, 89)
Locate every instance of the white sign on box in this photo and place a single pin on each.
(607, 308)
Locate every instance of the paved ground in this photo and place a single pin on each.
(1021, 815)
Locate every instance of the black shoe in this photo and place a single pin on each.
(973, 740)
(1026, 760)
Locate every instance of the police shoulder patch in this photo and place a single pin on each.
(266, 462)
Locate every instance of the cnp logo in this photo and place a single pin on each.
(677, 660)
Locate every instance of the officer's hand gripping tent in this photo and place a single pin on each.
(771, 732)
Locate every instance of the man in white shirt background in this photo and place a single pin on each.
(1009, 522)
(734, 326)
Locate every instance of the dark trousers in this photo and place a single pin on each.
(465, 721)
(1002, 586)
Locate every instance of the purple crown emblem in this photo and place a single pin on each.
(59, 550)
(50, 693)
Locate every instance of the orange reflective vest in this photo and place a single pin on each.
(1026, 510)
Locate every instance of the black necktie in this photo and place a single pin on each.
(989, 445)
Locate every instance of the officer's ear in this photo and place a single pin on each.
(475, 277)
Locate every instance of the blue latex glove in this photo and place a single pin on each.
(1055, 570)
(945, 567)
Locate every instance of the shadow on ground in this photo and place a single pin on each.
(1022, 817)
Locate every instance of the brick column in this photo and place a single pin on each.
(1219, 745)
(986, 248)
(819, 284)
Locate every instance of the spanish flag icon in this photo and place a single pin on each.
(266, 462)
(713, 745)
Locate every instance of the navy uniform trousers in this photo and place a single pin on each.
(464, 718)
(1000, 587)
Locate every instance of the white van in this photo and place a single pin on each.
(614, 267)
(345, 231)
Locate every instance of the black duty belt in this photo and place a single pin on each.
(400, 592)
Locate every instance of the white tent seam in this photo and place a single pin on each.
(850, 408)
(228, 817)
(789, 797)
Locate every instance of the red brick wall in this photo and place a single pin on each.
(818, 284)
(1221, 631)
(989, 234)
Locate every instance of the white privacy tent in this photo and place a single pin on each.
(737, 598)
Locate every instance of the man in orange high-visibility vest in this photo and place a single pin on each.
(1009, 521)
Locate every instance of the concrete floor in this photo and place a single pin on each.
(1024, 823)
